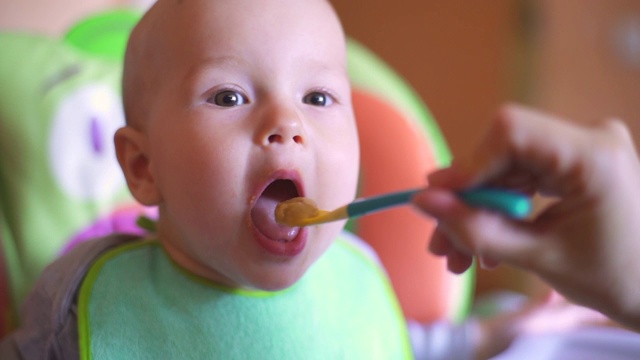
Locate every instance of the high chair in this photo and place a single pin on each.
(60, 182)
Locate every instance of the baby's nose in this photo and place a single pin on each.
(282, 125)
(278, 138)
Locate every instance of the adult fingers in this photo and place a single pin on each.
(468, 231)
(523, 147)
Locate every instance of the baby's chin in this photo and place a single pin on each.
(276, 279)
(280, 276)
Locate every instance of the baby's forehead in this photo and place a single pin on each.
(197, 28)
(174, 37)
(192, 16)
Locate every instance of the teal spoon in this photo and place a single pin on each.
(304, 212)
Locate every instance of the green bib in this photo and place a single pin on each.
(135, 303)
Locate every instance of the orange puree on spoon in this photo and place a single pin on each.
(294, 211)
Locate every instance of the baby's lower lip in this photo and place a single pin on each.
(289, 248)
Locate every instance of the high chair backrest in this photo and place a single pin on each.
(60, 182)
(400, 143)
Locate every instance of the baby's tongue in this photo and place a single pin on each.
(263, 213)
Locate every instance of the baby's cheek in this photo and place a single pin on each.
(340, 170)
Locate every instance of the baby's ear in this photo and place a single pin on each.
(131, 150)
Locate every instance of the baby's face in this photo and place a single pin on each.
(252, 108)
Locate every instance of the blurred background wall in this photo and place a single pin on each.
(577, 58)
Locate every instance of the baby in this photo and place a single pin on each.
(231, 108)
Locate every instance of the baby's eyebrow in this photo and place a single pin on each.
(210, 63)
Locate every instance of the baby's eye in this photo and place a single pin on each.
(318, 98)
(228, 98)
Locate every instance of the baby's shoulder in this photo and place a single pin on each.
(48, 321)
(67, 272)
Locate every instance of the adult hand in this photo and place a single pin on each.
(586, 244)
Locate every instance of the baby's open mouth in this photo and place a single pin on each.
(263, 211)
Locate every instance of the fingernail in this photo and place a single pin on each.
(483, 263)
(487, 263)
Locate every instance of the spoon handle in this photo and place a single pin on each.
(507, 202)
